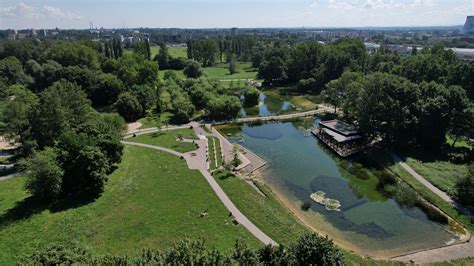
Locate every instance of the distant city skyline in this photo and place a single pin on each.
(232, 13)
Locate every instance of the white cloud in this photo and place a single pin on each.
(24, 11)
(19, 10)
(54, 12)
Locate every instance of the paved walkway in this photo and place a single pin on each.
(452, 252)
(440, 254)
(198, 160)
(421, 179)
(285, 116)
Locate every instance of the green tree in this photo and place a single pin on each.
(163, 57)
(311, 249)
(232, 66)
(129, 107)
(85, 165)
(147, 49)
(18, 106)
(44, 175)
(193, 69)
(61, 107)
(11, 72)
(252, 96)
(465, 188)
(223, 107)
(183, 109)
(106, 89)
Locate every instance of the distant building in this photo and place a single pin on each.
(468, 28)
(465, 54)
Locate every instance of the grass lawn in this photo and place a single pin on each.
(267, 213)
(442, 174)
(173, 51)
(302, 102)
(221, 72)
(152, 120)
(152, 200)
(460, 143)
(167, 139)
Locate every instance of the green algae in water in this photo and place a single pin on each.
(330, 204)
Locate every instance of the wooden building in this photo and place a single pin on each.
(341, 137)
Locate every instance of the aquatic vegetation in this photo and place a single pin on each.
(330, 204)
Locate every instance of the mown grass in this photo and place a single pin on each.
(302, 102)
(173, 51)
(267, 213)
(442, 174)
(221, 72)
(151, 201)
(169, 139)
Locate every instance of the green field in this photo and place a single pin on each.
(221, 72)
(442, 174)
(168, 139)
(173, 51)
(151, 200)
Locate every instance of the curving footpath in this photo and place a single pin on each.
(198, 161)
(447, 253)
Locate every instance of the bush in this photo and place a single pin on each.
(305, 206)
(193, 69)
(311, 249)
(44, 175)
(56, 255)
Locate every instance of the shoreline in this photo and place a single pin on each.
(343, 244)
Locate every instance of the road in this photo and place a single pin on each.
(198, 160)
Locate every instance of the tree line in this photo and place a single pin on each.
(209, 51)
(309, 249)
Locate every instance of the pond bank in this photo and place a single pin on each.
(368, 223)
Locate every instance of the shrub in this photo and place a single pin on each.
(305, 206)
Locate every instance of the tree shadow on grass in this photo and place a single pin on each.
(31, 206)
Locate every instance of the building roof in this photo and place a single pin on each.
(340, 127)
(340, 138)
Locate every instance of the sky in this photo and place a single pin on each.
(67, 14)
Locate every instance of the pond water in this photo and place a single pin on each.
(367, 222)
(269, 103)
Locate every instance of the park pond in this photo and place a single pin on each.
(301, 170)
(269, 103)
